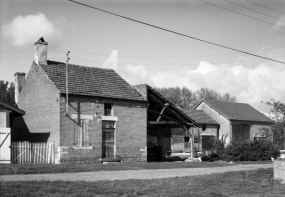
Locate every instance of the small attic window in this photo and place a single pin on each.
(108, 109)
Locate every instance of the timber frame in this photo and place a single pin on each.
(162, 115)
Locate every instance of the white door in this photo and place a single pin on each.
(5, 144)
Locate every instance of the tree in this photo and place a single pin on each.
(186, 99)
(7, 91)
(277, 113)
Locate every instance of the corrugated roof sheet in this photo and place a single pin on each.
(200, 117)
(238, 111)
(90, 81)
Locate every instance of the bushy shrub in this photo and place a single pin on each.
(250, 151)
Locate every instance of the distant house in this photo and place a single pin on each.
(104, 116)
(237, 121)
(208, 128)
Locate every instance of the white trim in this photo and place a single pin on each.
(82, 147)
(110, 118)
(82, 116)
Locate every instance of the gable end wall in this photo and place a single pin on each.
(225, 125)
(39, 99)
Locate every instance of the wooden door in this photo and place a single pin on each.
(108, 141)
(206, 142)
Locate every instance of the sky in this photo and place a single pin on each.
(145, 55)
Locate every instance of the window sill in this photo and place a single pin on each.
(111, 118)
(87, 148)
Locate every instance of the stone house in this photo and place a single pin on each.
(237, 121)
(103, 117)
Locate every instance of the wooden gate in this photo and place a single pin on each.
(32, 152)
(5, 143)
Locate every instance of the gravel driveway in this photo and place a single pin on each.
(131, 174)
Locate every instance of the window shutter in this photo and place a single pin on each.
(85, 133)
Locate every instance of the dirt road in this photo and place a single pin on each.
(130, 174)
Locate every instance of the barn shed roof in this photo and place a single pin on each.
(237, 111)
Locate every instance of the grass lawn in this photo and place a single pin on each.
(244, 183)
(11, 169)
(62, 168)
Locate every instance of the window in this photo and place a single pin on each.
(108, 109)
(108, 139)
(81, 133)
(204, 128)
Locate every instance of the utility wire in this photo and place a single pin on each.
(242, 14)
(191, 37)
(265, 7)
(157, 64)
(152, 57)
(276, 3)
(254, 10)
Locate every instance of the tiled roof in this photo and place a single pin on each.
(200, 117)
(90, 81)
(238, 111)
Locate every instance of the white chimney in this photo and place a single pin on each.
(19, 83)
(40, 52)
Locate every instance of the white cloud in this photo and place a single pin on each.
(250, 84)
(27, 29)
(133, 74)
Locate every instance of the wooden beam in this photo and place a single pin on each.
(162, 123)
(161, 113)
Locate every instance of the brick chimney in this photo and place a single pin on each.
(19, 83)
(40, 52)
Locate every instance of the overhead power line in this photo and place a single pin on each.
(242, 14)
(265, 7)
(177, 33)
(254, 10)
(150, 57)
(146, 64)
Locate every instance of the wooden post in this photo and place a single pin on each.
(192, 142)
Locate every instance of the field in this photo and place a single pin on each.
(244, 183)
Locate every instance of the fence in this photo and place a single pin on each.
(32, 152)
